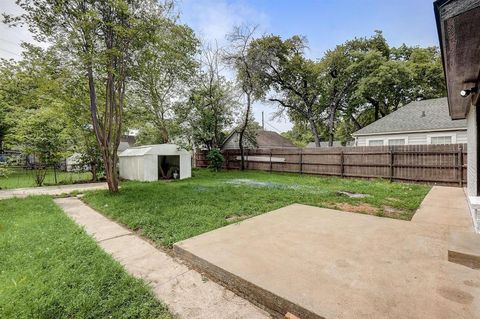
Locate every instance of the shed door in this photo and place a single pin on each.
(168, 165)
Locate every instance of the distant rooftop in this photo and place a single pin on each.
(418, 116)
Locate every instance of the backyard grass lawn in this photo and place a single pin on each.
(49, 268)
(167, 212)
(19, 178)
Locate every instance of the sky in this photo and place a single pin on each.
(325, 23)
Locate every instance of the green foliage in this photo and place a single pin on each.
(166, 70)
(104, 40)
(4, 171)
(170, 212)
(351, 86)
(299, 135)
(41, 134)
(296, 82)
(216, 159)
(53, 269)
(209, 111)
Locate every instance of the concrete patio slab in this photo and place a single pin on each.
(186, 293)
(321, 263)
(50, 190)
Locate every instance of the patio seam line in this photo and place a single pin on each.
(183, 290)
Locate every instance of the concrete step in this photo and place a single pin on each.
(464, 248)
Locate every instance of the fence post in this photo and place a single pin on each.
(460, 165)
(271, 166)
(342, 164)
(392, 157)
(300, 160)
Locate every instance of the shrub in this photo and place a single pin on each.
(4, 171)
(216, 159)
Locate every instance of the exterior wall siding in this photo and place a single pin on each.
(413, 138)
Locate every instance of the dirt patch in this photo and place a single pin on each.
(394, 212)
(392, 199)
(360, 208)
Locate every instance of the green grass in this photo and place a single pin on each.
(19, 178)
(167, 212)
(49, 268)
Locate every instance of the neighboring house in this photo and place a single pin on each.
(419, 122)
(458, 23)
(325, 144)
(126, 141)
(262, 139)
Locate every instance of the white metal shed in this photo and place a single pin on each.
(155, 162)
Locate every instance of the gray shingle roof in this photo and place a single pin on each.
(426, 115)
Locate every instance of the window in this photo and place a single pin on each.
(441, 140)
(396, 141)
(375, 142)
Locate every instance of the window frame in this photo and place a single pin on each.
(453, 137)
(400, 137)
(375, 139)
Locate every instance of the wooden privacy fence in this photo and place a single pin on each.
(435, 164)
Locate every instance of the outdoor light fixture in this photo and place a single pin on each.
(467, 92)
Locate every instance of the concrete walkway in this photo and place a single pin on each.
(186, 293)
(50, 190)
(446, 206)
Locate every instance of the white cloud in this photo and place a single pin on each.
(212, 20)
(11, 38)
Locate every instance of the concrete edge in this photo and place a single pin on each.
(464, 259)
(274, 304)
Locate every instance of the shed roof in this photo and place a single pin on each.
(418, 116)
(156, 149)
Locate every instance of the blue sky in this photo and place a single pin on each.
(325, 23)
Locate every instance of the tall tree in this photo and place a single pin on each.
(104, 36)
(244, 65)
(166, 71)
(210, 108)
(296, 82)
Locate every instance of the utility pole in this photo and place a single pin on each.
(263, 122)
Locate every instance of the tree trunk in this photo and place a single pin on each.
(104, 138)
(314, 130)
(242, 133)
(93, 170)
(111, 173)
(331, 124)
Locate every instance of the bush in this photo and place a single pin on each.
(4, 171)
(216, 159)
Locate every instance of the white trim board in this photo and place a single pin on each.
(410, 132)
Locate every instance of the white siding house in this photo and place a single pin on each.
(417, 123)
